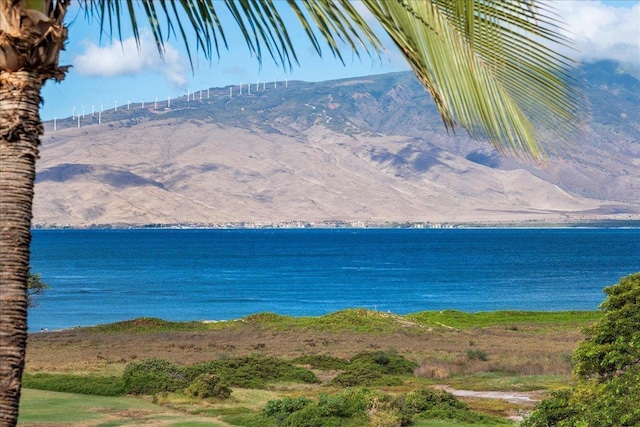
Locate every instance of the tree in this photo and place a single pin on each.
(35, 286)
(607, 368)
(487, 65)
(613, 344)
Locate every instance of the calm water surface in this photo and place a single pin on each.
(101, 276)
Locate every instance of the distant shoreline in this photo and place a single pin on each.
(291, 225)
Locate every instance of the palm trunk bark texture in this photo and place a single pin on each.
(20, 130)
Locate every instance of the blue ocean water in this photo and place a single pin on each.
(102, 276)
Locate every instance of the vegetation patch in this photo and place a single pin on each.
(151, 376)
(510, 319)
(208, 386)
(322, 362)
(497, 381)
(94, 385)
(355, 407)
(355, 320)
(436, 404)
(268, 318)
(345, 408)
(377, 368)
(362, 321)
(253, 371)
(358, 320)
(477, 354)
(151, 324)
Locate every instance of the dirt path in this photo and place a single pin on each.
(520, 397)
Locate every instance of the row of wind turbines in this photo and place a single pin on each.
(241, 89)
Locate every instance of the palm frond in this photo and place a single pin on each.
(488, 66)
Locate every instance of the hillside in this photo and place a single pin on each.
(356, 150)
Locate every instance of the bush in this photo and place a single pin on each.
(285, 406)
(387, 363)
(253, 371)
(98, 386)
(208, 385)
(477, 354)
(320, 361)
(414, 403)
(152, 376)
(363, 375)
(337, 410)
(353, 407)
(367, 369)
(613, 343)
(553, 411)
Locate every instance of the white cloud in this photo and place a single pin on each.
(602, 31)
(124, 58)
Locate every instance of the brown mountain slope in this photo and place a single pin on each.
(173, 171)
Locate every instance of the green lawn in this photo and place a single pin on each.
(40, 408)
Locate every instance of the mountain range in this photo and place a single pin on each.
(360, 151)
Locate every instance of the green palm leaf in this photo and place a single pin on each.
(487, 66)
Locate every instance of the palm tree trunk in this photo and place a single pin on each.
(20, 130)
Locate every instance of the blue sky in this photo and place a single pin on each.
(105, 71)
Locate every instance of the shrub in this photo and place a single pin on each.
(98, 386)
(613, 343)
(367, 369)
(409, 405)
(152, 376)
(437, 404)
(321, 361)
(208, 385)
(387, 363)
(253, 371)
(281, 409)
(552, 411)
(363, 375)
(328, 411)
(477, 354)
(353, 407)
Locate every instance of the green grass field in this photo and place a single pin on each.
(39, 408)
